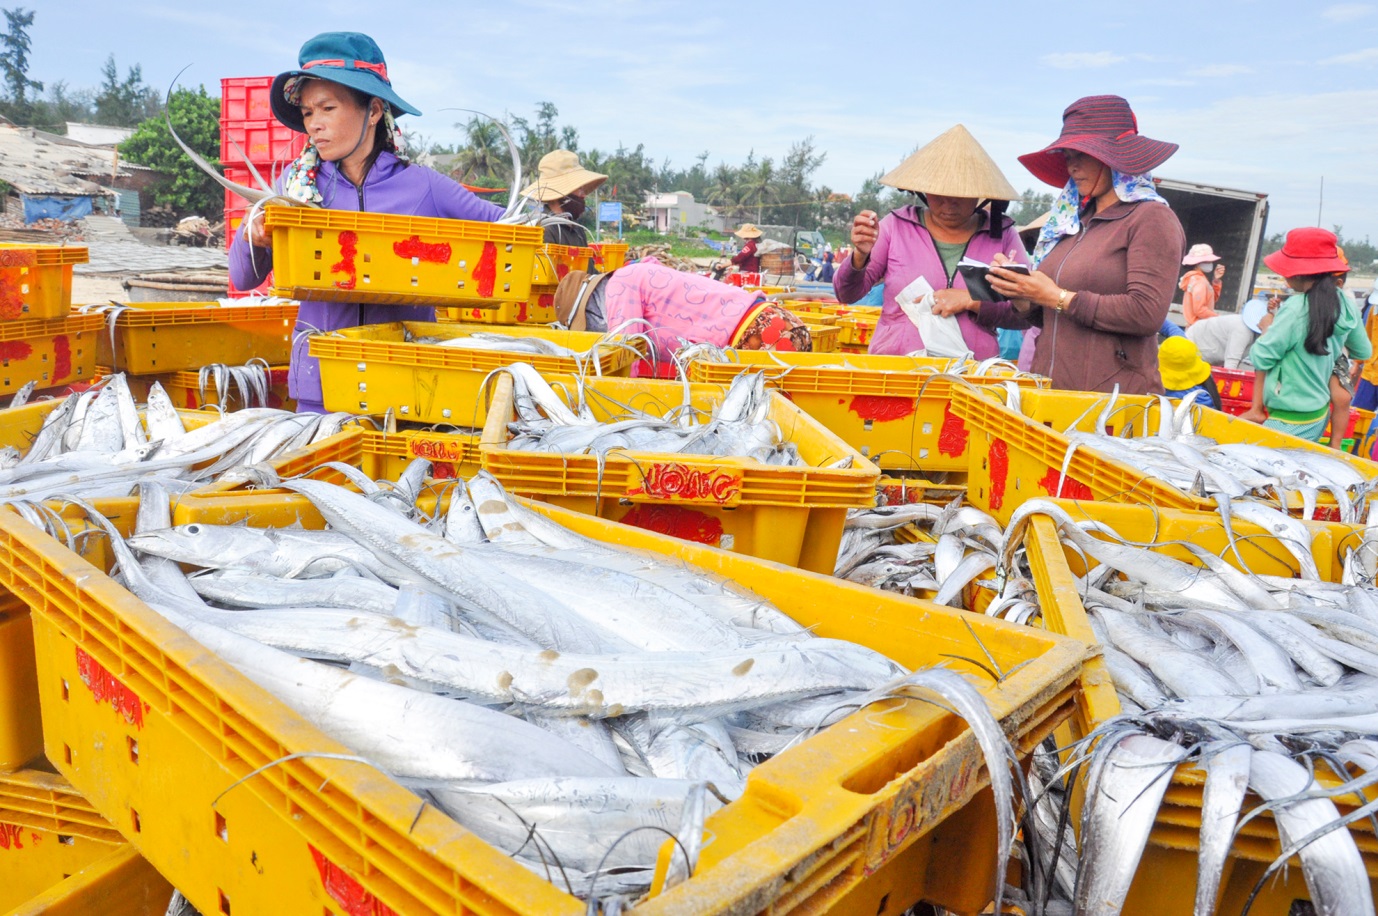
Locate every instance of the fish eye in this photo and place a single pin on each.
(193, 529)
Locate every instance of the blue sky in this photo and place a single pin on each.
(1262, 95)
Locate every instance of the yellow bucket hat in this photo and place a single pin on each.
(1180, 364)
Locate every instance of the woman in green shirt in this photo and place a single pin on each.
(1295, 357)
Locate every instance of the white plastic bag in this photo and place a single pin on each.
(942, 336)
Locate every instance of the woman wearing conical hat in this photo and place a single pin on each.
(562, 185)
(952, 176)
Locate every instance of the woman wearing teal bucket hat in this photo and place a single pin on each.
(342, 98)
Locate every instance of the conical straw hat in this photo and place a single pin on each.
(953, 165)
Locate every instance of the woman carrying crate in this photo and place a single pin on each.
(341, 98)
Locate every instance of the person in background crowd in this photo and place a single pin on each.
(562, 185)
(825, 274)
(952, 176)
(1225, 339)
(1201, 284)
(1170, 328)
(1295, 358)
(747, 260)
(341, 98)
(1185, 374)
(674, 309)
(1107, 257)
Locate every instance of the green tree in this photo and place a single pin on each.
(14, 60)
(196, 118)
(127, 102)
(1030, 207)
(759, 186)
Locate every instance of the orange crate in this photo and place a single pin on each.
(609, 256)
(51, 351)
(154, 338)
(36, 280)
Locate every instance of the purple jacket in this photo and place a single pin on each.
(389, 187)
(904, 251)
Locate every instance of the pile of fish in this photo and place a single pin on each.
(571, 702)
(740, 424)
(249, 384)
(101, 444)
(1175, 454)
(1267, 684)
(949, 548)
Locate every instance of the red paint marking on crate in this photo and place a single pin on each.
(486, 270)
(11, 299)
(1054, 484)
(62, 357)
(11, 836)
(952, 437)
(18, 257)
(676, 521)
(680, 481)
(349, 247)
(999, 463)
(346, 890)
(436, 449)
(545, 300)
(561, 270)
(521, 311)
(1327, 513)
(106, 688)
(431, 253)
(14, 350)
(882, 407)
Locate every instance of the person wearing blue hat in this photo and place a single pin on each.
(1225, 340)
(341, 97)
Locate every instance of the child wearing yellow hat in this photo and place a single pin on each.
(1185, 374)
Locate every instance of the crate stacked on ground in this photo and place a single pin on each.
(1236, 388)
(155, 339)
(792, 514)
(379, 368)
(250, 136)
(895, 410)
(1166, 879)
(857, 323)
(890, 804)
(191, 390)
(36, 280)
(1016, 455)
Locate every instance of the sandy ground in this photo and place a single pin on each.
(87, 289)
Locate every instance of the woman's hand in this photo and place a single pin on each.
(1220, 271)
(1037, 288)
(1254, 415)
(259, 236)
(865, 231)
(949, 302)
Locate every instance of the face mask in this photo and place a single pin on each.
(572, 206)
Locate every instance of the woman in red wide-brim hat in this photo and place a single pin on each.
(1107, 257)
(1295, 357)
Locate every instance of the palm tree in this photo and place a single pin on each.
(759, 186)
(722, 190)
(484, 154)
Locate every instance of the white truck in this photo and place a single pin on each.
(1232, 222)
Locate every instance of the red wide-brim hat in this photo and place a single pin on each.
(1307, 252)
(1103, 127)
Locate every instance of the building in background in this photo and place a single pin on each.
(679, 213)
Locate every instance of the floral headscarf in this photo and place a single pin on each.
(1065, 217)
(299, 180)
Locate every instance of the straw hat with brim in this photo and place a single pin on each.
(572, 297)
(349, 58)
(1104, 128)
(953, 165)
(748, 231)
(1200, 253)
(1180, 364)
(560, 174)
(1307, 252)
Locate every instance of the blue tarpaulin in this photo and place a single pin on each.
(63, 208)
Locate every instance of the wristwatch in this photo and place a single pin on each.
(1061, 300)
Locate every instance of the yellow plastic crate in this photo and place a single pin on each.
(344, 256)
(857, 330)
(374, 369)
(1015, 457)
(554, 261)
(826, 338)
(890, 803)
(536, 312)
(36, 280)
(892, 490)
(1166, 880)
(609, 256)
(889, 408)
(152, 338)
(47, 833)
(184, 388)
(792, 515)
(121, 883)
(50, 351)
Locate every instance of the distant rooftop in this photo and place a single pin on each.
(34, 162)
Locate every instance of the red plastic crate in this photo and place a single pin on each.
(261, 142)
(1234, 384)
(245, 98)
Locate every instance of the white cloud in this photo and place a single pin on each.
(1081, 60)
(1218, 70)
(1366, 56)
(1166, 81)
(1347, 12)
